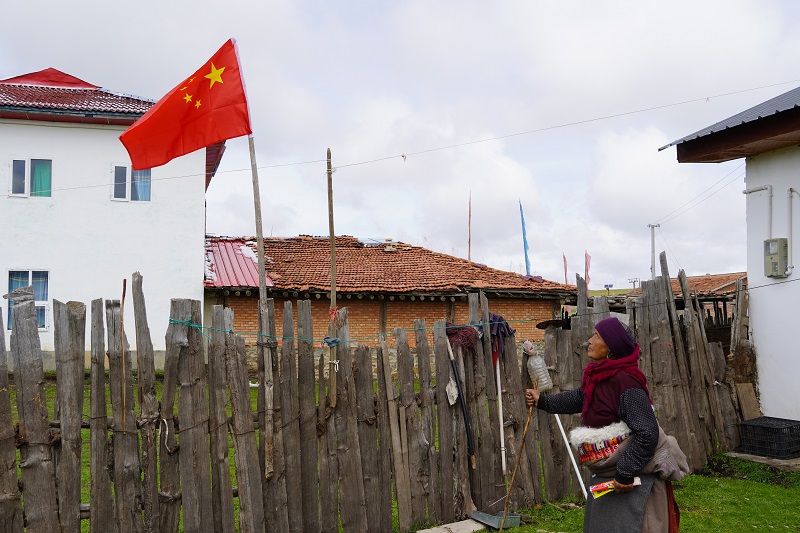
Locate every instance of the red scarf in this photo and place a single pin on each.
(594, 373)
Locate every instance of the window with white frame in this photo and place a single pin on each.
(131, 185)
(32, 177)
(40, 281)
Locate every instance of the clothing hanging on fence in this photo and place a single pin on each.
(462, 335)
(499, 329)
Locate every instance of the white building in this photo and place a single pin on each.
(75, 221)
(768, 136)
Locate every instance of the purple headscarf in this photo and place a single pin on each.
(616, 337)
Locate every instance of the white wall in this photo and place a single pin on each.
(89, 242)
(774, 321)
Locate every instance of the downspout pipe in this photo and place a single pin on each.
(769, 205)
(790, 263)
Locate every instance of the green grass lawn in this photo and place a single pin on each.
(729, 496)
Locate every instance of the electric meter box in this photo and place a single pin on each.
(776, 253)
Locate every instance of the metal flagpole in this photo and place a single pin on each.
(263, 328)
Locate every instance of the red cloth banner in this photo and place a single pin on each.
(208, 107)
(588, 262)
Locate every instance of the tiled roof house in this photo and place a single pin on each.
(384, 284)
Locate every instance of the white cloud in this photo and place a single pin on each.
(372, 80)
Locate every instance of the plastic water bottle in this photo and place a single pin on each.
(537, 370)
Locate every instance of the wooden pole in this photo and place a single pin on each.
(469, 229)
(332, 362)
(263, 354)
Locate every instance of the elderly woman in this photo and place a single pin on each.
(620, 439)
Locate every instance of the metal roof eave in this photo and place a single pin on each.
(773, 106)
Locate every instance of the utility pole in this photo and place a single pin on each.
(333, 361)
(634, 281)
(653, 249)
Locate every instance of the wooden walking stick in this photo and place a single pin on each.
(516, 463)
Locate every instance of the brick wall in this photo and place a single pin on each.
(364, 316)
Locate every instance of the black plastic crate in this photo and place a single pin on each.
(770, 437)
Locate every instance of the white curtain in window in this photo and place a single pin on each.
(140, 186)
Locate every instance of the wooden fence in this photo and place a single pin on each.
(159, 463)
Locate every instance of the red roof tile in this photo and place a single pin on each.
(708, 285)
(711, 284)
(303, 263)
(50, 90)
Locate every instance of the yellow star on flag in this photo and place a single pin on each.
(188, 98)
(215, 75)
(197, 104)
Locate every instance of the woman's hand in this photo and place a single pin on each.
(622, 487)
(531, 397)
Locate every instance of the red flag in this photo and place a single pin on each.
(208, 107)
(588, 262)
(565, 267)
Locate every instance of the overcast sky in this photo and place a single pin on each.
(578, 97)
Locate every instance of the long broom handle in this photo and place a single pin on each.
(500, 412)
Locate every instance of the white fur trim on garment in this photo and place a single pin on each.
(582, 434)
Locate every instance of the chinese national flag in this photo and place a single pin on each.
(208, 107)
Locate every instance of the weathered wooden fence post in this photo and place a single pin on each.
(10, 503)
(515, 415)
(101, 506)
(274, 487)
(445, 417)
(402, 483)
(127, 471)
(554, 454)
(367, 436)
(168, 449)
(194, 456)
(308, 417)
(352, 506)
(148, 406)
(38, 475)
(410, 436)
(428, 420)
(464, 489)
(251, 504)
(328, 466)
(218, 379)
(70, 345)
(384, 446)
(287, 379)
(493, 483)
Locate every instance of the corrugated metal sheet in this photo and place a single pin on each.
(231, 264)
(783, 102)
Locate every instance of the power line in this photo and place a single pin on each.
(404, 155)
(662, 219)
(704, 199)
(669, 248)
